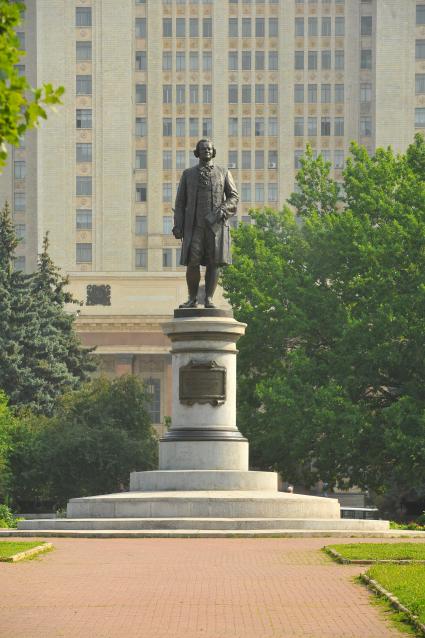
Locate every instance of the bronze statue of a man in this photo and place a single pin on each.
(206, 198)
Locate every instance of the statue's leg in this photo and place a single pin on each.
(193, 271)
(211, 280)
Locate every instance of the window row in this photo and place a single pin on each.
(324, 56)
(190, 94)
(141, 261)
(260, 159)
(420, 118)
(311, 91)
(194, 127)
(325, 26)
(258, 126)
(309, 126)
(247, 27)
(258, 91)
(180, 62)
(19, 169)
(192, 27)
(420, 50)
(253, 59)
(257, 192)
(338, 157)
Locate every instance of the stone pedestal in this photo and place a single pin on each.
(203, 482)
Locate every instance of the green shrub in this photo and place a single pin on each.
(7, 519)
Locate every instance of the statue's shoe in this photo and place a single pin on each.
(209, 303)
(190, 303)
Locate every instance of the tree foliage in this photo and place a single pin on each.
(40, 354)
(96, 437)
(21, 106)
(332, 368)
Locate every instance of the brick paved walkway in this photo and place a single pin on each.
(186, 588)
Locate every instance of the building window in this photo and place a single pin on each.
(299, 93)
(325, 128)
(83, 219)
(83, 51)
(366, 59)
(259, 127)
(312, 93)
(167, 258)
(19, 201)
(339, 160)
(339, 126)
(339, 60)
(194, 127)
(166, 160)
(366, 25)
(259, 193)
(365, 93)
(273, 94)
(419, 118)
(246, 159)
(19, 263)
(312, 126)
(141, 127)
(246, 60)
(299, 126)
(326, 154)
(273, 27)
(420, 14)
(273, 159)
(180, 159)
(180, 27)
(180, 94)
(312, 60)
(83, 186)
(326, 60)
(299, 27)
(207, 94)
(141, 159)
(246, 192)
(339, 26)
(194, 94)
(299, 60)
(194, 27)
(420, 82)
(233, 93)
(167, 61)
(260, 29)
(325, 93)
(272, 192)
(140, 27)
(259, 93)
(167, 28)
(312, 27)
(420, 49)
(167, 192)
(246, 27)
(207, 127)
(273, 60)
(180, 127)
(167, 224)
(141, 193)
(141, 93)
(180, 61)
(233, 27)
(232, 160)
(19, 170)
(141, 226)
(365, 126)
(273, 130)
(21, 38)
(84, 118)
(141, 258)
(339, 93)
(326, 27)
(246, 127)
(83, 253)
(246, 94)
(297, 157)
(83, 16)
(233, 126)
(206, 61)
(259, 160)
(141, 62)
(207, 27)
(20, 232)
(233, 60)
(84, 85)
(84, 153)
(153, 387)
(194, 61)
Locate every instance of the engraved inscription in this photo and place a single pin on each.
(202, 382)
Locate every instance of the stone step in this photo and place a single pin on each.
(201, 480)
(217, 524)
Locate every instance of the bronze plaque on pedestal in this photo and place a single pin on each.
(202, 382)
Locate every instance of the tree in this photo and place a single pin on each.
(40, 355)
(18, 112)
(6, 424)
(332, 366)
(97, 436)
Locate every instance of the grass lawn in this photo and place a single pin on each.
(8, 549)
(381, 551)
(407, 582)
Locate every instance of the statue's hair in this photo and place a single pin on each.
(204, 139)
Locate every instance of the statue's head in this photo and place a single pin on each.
(205, 141)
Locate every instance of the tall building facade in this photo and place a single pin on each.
(144, 80)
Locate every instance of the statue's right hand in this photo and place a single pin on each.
(177, 233)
